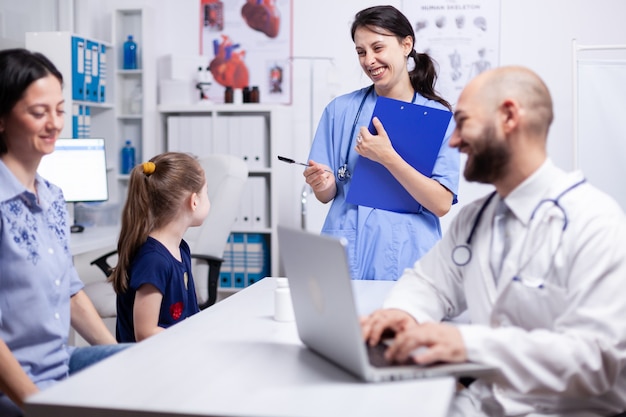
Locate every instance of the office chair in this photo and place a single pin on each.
(226, 176)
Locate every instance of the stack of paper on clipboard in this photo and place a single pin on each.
(416, 133)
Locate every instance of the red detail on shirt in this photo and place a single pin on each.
(176, 310)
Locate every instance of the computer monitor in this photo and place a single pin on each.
(78, 167)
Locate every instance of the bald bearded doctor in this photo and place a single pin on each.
(545, 298)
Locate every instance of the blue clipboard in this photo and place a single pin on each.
(416, 133)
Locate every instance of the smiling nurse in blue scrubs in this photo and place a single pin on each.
(382, 243)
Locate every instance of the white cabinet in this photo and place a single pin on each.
(135, 98)
(253, 132)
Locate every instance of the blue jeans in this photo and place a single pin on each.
(81, 358)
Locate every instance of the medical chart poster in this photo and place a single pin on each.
(462, 36)
(248, 43)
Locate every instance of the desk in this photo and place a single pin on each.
(233, 359)
(93, 238)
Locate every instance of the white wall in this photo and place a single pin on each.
(534, 33)
(17, 17)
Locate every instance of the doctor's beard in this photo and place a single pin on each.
(490, 158)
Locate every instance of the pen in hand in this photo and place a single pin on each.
(293, 161)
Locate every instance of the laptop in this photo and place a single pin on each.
(326, 316)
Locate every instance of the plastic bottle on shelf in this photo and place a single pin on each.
(135, 100)
(128, 157)
(130, 53)
(283, 308)
(237, 95)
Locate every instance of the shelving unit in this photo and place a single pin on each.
(89, 80)
(251, 131)
(137, 126)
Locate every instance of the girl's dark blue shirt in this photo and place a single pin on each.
(156, 266)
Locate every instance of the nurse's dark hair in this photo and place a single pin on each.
(388, 19)
(19, 68)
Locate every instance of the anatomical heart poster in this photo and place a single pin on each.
(248, 44)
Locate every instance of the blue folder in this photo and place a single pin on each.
(416, 133)
(78, 68)
(92, 88)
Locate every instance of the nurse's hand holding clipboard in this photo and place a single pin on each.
(377, 147)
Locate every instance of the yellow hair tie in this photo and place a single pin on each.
(148, 167)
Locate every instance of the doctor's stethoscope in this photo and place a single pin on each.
(343, 173)
(462, 254)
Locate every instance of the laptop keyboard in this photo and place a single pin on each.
(377, 357)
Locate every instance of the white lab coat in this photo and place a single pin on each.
(558, 337)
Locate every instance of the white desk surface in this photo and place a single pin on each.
(93, 238)
(234, 359)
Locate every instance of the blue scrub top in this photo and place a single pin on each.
(381, 243)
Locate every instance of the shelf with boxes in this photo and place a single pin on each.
(250, 131)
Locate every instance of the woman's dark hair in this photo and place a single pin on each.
(390, 19)
(19, 68)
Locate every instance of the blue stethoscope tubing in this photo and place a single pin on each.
(462, 254)
(342, 172)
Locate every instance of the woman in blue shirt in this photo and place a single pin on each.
(40, 291)
(382, 243)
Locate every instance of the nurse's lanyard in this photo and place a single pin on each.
(462, 254)
(343, 173)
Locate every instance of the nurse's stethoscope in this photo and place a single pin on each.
(343, 173)
(462, 254)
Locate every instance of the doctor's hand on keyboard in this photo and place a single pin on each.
(443, 342)
(377, 358)
(428, 343)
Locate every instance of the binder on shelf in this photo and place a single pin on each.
(243, 219)
(239, 261)
(75, 119)
(417, 133)
(257, 258)
(234, 136)
(246, 260)
(88, 78)
(225, 278)
(87, 122)
(173, 134)
(220, 141)
(184, 133)
(259, 203)
(102, 74)
(189, 134)
(78, 68)
(252, 139)
(201, 136)
(93, 88)
(81, 121)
